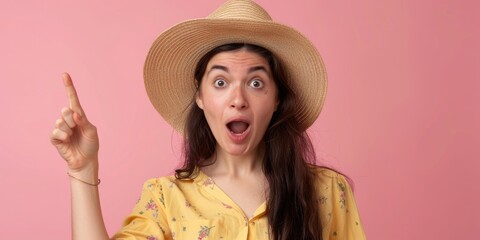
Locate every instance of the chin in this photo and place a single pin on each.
(240, 150)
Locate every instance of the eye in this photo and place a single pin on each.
(219, 83)
(256, 83)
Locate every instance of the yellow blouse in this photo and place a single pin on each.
(197, 209)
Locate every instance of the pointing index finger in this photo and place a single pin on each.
(72, 94)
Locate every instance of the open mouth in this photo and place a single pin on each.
(237, 127)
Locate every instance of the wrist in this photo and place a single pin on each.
(94, 184)
(87, 174)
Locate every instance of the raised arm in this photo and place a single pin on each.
(77, 142)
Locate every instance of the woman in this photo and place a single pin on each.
(243, 90)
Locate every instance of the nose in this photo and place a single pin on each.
(238, 100)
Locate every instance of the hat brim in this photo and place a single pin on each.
(170, 64)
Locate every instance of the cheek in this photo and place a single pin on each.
(205, 99)
(211, 101)
(214, 100)
(265, 112)
(269, 101)
(212, 108)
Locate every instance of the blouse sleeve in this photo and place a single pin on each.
(147, 220)
(342, 216)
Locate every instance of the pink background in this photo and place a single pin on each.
(401, 118)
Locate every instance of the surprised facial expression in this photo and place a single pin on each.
(238, 96)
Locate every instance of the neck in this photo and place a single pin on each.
(236, 165)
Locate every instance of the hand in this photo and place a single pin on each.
(75, 138)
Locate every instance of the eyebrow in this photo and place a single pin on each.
(252, 69)
(219, 67)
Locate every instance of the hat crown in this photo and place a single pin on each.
(240, 9)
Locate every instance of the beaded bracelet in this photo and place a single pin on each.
(91, 184)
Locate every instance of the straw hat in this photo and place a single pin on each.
(171, 61)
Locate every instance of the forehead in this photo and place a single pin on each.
(239, 57)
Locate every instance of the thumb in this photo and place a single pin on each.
(84, 125)
(80, 120)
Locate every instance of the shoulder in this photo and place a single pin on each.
(332, 187)
(170, 183)
(325, 171)
(328, 176)
(338, 210)
(159, 180)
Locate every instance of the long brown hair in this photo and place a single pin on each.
(292, 207)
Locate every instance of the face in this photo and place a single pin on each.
(238, 97)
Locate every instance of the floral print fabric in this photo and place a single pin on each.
(172, 209)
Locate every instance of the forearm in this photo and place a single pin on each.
(87, 219)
